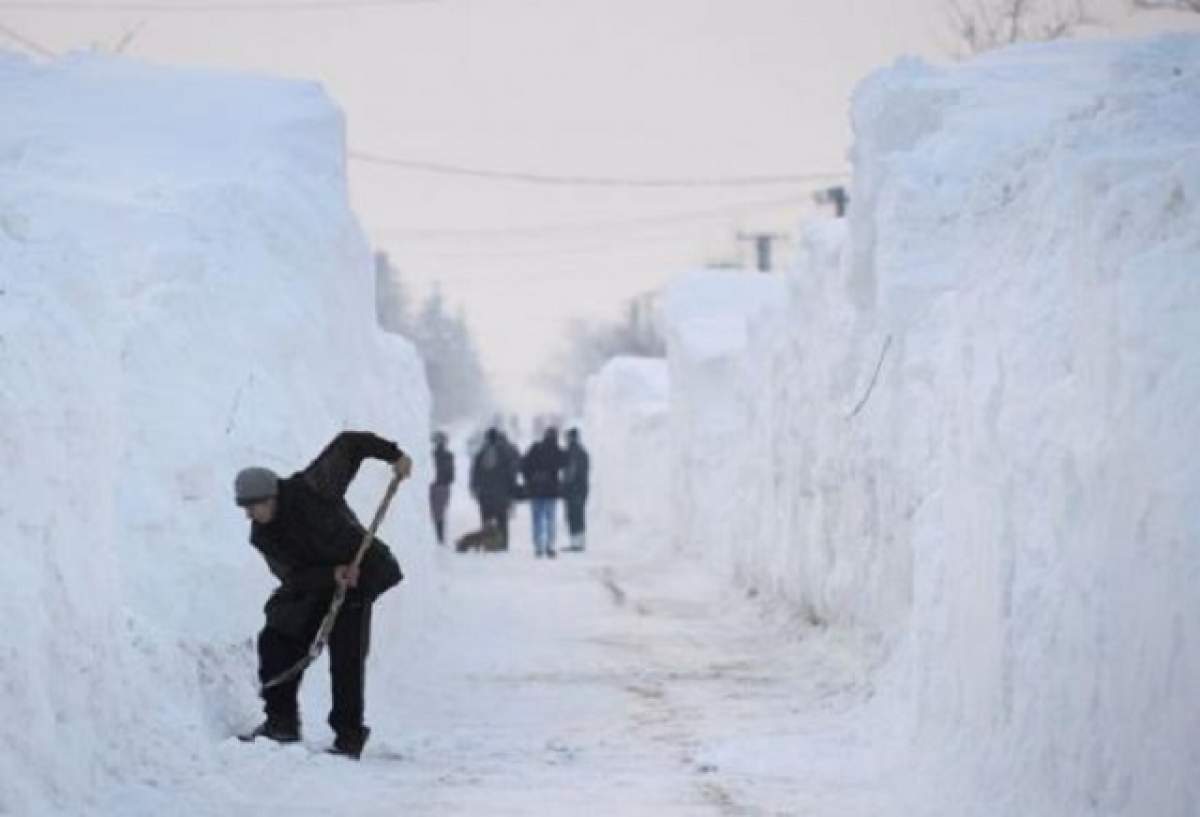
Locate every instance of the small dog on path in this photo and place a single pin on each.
(488, 540)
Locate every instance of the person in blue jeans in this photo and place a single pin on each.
(541, 467)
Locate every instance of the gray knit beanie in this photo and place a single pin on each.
(254, 485)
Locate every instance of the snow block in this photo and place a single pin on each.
(184, 291)
(626, 416)
(967, 425)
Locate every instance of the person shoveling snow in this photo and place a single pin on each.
(331, 570)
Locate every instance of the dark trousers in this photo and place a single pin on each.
(575, 514)
(497, 513)
(349, 643)
(439, 497)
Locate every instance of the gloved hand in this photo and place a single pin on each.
(346, 575)
(403, 466)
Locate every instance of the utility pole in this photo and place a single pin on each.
(836, 196)
(762, 248)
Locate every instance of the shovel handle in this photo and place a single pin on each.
(369, 536)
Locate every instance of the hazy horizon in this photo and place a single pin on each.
(618, 90)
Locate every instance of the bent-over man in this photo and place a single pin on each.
(306, 531)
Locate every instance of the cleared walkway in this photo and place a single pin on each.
(577, 686)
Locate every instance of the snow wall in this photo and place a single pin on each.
(964, 425)
(183, 292)
(627, 411)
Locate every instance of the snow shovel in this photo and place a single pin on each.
(339, 596)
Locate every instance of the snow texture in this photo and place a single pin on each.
(183, 292)
(627, 410)
(964, 425)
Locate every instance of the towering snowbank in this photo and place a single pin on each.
(628, 436)
(1038, 271)
(183, 291)
(712, 320)
(971, 429)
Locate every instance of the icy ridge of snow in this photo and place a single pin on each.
(183, 292)
(969, 426)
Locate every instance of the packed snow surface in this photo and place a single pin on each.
(183, 292)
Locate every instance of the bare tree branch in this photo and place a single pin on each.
(21, 39)
(981, 25)
(589, 345)
(128, 37)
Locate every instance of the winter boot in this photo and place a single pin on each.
(273, 729)
(350, 743)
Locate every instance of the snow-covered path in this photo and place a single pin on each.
(568, 686)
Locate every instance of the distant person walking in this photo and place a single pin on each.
(439, 489)
(540, 468)
(575, 489)
(492, 482)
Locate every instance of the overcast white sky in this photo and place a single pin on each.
(631, 89)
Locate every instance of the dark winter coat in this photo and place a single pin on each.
(314, 530)
(443, 466)
(492, 476)
(512, 459)
(575, 473)
(541, 467)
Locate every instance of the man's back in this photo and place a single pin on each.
(540, 468)
(575, 471)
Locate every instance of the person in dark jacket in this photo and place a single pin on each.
(575, 489)
(512, 461)
(439, 489)
(540, 468)
(512, 457)
(491, 483)
(306, 531)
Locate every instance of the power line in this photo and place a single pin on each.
(205, 5)
(592, 181)
(663, 219)
(639, 248)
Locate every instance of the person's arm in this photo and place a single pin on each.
(450, 469)
(331, 473)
